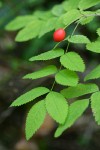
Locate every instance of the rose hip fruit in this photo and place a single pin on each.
(59, 35)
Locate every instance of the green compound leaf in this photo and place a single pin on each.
(49, 70)
(19, 22)
(79, 90)
(71, 16)
(35, 118)
(48, 55)
(67, 78)
(47, 26)
(79, 39)
(95, 105)
(94, 74)
(57, 106)
(76, 109)
(98, 31)
(94, 47)
(30, 31)
(29, 96)
(72, 61)
(85, 4)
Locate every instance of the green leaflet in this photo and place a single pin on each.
(30, 31)
(57, 10)
(29, 96)
(59, 23)
(49, 70)
(98, 11)
(71, 16)
(94, 47)
(72, 61)
(35, 118)
(48, 55)
(87, 13)
(94, 74)
(98, 31)
(57, 106)
(79, 90)
(95, 105)
(76, 109)
(19, 22)
(44, 15)
(86, 20)
(67, 78)
(71, 4)
(85, 4)
(88, 16)
(47, 26)
(79, 39)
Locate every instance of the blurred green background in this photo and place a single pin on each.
(85, 134)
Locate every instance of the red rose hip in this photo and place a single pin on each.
(59, 35)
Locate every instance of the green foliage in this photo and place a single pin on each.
(35, 118)
(29, 96)
(49, 70)
(76, 109)
(98, 31)
(71, 16)
(38, 24)
(97, 11)
(79, 39)
(27, 34)
(19, 22)
(94, 74)
(49, 55)
(94, 47)
(72, 61)
(85, 4)
(42, 22)
(88, 16)
(86, 20)
(57, 10)
(47, 26)
(57, 107)
(67, 78)
(69, 5)
(95, 105)
(41, 25)
(79, 90)
(59, 23)
(43, 15)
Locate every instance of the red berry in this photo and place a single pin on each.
(59, 35)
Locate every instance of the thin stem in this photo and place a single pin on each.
(75, 29)
(56, 45)
(71, 36)
(65, 52)
(54, 80)
(53, 85)
(95, 14)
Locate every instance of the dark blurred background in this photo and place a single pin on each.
(85, 134)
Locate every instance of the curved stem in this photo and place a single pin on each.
(65, 52)
(56, 45)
